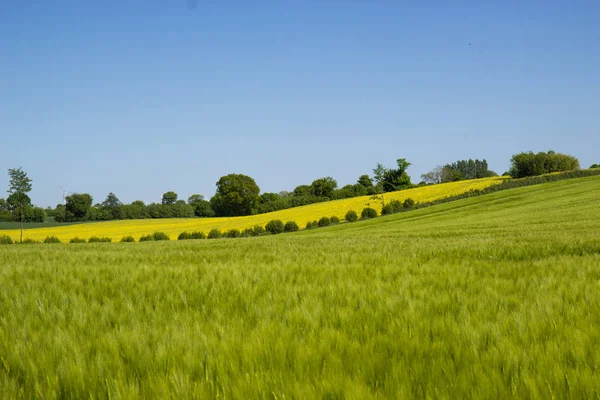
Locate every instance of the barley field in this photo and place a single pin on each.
(301, 215)
(492, 297)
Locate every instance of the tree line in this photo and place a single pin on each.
(239, 194)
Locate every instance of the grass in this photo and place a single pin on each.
(13, 226)
(301, 215)
(496, 296)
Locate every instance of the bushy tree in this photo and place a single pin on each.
(365, 181)
(594, 166)
(169, 198)
(184, 236)
(195, 198)
(324, 221)
(466, 169)
(215, 234)
(351, 216)
(160, 236)
(236, 195)
(434, 176)
(324, 187)
(531, 164)
(233, 233)
(368, 212)
(112, 205)
(396, 179)
(291, 226)
(274, 227)
(303, 190)
(77, 207)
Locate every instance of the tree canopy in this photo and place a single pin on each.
(236, 195)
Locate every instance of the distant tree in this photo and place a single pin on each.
(19, 186)
(303, 190)
(397, 179)
(365, 181)
(195, 198)
(236, 195)
(324, 187)
(203, 209)
(78, 205)
(531, 164)
(284, 193)
(433, 176)
(594, 166)
(379, 173)
(169, 198)
(112, 205)
(466, 169)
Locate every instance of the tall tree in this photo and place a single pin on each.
(324, 187)
(19, 186)
(169, 198)
(237, 194)
(379, 173)
(112, 204)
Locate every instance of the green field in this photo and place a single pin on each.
(13, 225)
(496, 296)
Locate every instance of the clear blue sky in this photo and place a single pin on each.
(142, 97)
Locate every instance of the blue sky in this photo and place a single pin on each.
(141, 97)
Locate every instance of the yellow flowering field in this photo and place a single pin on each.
(301, 215)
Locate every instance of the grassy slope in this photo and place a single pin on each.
(301, 215)
(496, 296)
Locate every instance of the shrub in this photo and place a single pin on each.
(127, 239)
(351, 216)
(215, 234)
(77, 240)
(248, 232)
(312, 224)
(52, 239)
(146, 238)
(29, 241)
(594, 166)
(198, 235)
(274, 227)
(291, 226)
(259, 230)
(95, 239)
(160, 236)
(5, 239)
(368, 212)
(324, 221)
(392, 207)
(408, 203)
(334, 220)
(184, 236)
(233, 233)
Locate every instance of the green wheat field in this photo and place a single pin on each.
(495, 297)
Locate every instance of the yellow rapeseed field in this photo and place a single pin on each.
(301, 215)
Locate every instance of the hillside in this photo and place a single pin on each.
(494, 296)
(301, 215)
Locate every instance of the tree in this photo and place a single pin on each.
(397, 179)
(19, 186)
(303, 190)
(236, 195)
(466, 169)
(323, 187)
(530, 164)
(202, 208)
(433, 176)
(195, 198)
(379, 173)
(365, 180)
(112, 205)
(595, 166)
(169, 198)
(78, 205)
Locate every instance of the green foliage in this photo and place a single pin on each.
(392, 207)
(408, 203)
(215, 234)
(259, 230)
(51, 240)
(184, 236)
(202, 208)
(29, 241)
(160, 236)
(466, 169)
(396, 179)
(169, 198)
(368, 212)
(291, 226)
(312, 224)
(274, 227)
(5, 239)
(147, 238)
(365, 181)
(324, 221)
(128, 239)
(351, 216)
(77, 207)
(198, 235)
(594, 166)
(334, 220)
(77, 239)
(233, 233)
(236, 195)
(112, 205)
(323, 187)
(99, 239)
(530, 164)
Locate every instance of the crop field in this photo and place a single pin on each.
(496, 296)
(301, 215)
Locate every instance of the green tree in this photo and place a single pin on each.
(169, 198)
(531, 164)
(195, 198)
(433, 176)
(78, 205)
(236, 195)
(379, 173)
(112, 205)
(19, 186)
(365, 180)
(303, 190)
(397, 179)
(595, 166)
(324, 187)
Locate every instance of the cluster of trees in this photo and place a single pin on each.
(532, 164)
(458, 171)
(17, 206)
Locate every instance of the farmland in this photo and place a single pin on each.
(496, 296)
(301, 215)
